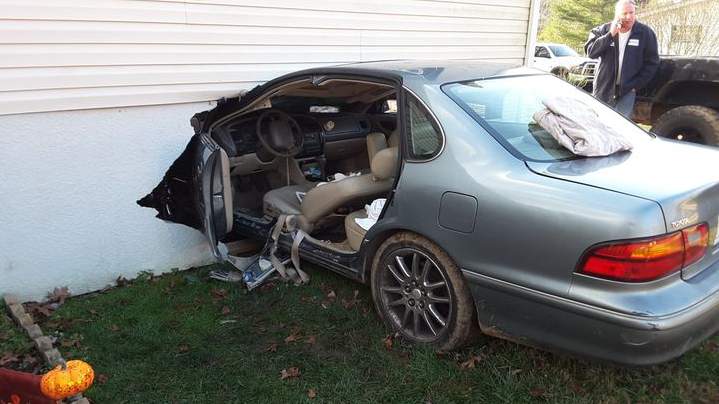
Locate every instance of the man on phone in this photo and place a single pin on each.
(628, 58)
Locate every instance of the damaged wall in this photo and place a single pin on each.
(95, 99)
(67, 198)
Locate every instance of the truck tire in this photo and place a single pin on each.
(561, 72)
(691, 123)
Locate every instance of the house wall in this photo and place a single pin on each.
(684, 27)
(96, 96)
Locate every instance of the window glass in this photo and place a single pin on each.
(541, 52)
(562, 50)
(324, 109)
(505, 107)
(425, 137)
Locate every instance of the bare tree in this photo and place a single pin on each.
(686, 28)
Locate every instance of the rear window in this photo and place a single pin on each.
(505, 106)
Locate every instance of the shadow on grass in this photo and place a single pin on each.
(185, 338)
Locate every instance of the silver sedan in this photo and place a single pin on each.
(431, 183)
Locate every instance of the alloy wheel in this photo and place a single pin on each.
(415, 294)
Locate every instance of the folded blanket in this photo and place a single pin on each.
(576, 126)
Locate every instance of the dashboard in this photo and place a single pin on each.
(239, 136)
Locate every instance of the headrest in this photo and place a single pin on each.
(376, 141)
(384, 163)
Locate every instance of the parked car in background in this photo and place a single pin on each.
(488, 223)
(681, 102)
(557, 59)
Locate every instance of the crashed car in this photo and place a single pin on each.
(489, 223)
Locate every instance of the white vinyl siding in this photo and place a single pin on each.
(86, 54)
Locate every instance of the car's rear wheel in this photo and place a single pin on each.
(690, 123)
(420, 292)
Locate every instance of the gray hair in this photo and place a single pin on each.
(620, 3)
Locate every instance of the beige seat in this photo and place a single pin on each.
(323, 200)
(355, 232)
(284, 201)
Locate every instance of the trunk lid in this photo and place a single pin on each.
(682, 178)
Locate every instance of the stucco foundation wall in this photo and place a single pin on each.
(67, 197)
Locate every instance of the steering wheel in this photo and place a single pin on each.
(279, 133)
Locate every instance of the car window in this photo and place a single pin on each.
(425, 137)
(505, 107)
(562, 50)
(541, 52)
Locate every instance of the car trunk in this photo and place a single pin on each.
(682, 178)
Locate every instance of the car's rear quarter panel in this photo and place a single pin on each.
(530, 230)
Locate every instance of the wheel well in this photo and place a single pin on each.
(704, 93)
(377, 240)
(369, 250)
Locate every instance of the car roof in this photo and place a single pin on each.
(429, 71)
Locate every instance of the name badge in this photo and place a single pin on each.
(633, 42)
(611, 44)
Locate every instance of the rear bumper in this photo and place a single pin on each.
(534, 318)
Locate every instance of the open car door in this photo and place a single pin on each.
(196, 190)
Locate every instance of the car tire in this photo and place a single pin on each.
(428, 301)
(693, 123)
(561, 72)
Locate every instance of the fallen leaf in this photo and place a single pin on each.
(711, 346)
(388, 342)
(226, 310)
(537, 392)
(58, 295)
(8, 358)
(311, 393)
(292, 338)
(516, 371)
(219, 294)
(267, 287)
(271, 348)
(289, 373)
(93, 312)
(70, 343)
(114, 328)
(311, 340)
(470, 363)
(35, 308)
(183, 348)
(102, 379)
(331, 295)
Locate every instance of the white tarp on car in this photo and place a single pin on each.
(577, 127)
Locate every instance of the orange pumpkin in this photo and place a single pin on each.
(62, 383)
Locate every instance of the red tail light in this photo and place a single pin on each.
(648, 259)
(696, 240)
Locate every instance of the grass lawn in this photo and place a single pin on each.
(17, 351)
(183, 338)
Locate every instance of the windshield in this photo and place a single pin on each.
(504, 107)
(562, 50)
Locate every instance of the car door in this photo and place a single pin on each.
(196, 190)
(542, 58)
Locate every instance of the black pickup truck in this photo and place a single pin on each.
(681, 102)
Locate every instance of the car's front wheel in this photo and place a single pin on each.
(420, 292)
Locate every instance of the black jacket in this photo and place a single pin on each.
(641, 61)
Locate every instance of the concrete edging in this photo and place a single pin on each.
(43, 343)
